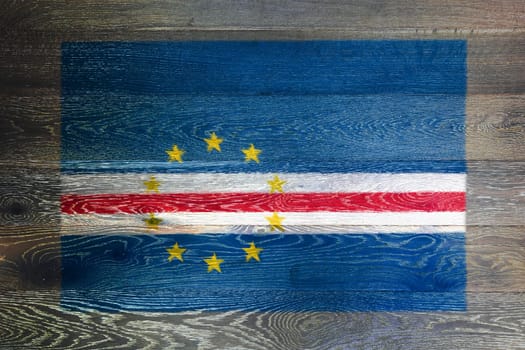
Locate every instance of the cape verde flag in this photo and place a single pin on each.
(266, 175)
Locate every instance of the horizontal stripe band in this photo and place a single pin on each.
(258, 182)
(258, 202)
(139, 275)
(96, 224)
(259, 219)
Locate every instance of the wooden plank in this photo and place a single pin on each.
(361, 15)
(495, 127)
(30, 129)
(495, 258)
(32, 60)
(495, 193)
(34, 319)
(495, 65)
(31, 256)
(29, 195)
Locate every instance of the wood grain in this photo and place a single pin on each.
(360, 16)
(495, 126)
(30, 194)
(32, 320)
(261, 183)
(260, 202)
(32, 59)
(31, 256)
(310, 106)
(30, 317)
(495, 258)
(495, 193)
(30, 103)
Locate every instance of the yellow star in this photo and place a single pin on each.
(175, 154)
(214, 263)
(276, 184)
(275, 222)
(152, 222)
(152, 185)
(252, 252)
(176, 252)
(214, 143)
(251, 153)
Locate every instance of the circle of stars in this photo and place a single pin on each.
(213, 143)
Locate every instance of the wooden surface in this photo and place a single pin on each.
(31, 33)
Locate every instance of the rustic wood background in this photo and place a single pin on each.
(30, 36)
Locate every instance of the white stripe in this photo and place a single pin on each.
(259, 219)
(258, 182)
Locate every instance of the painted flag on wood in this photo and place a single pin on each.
(238, 175)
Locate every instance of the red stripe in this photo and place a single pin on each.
(257, 202)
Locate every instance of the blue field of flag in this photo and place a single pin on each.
(328, 106)
(339, 272)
